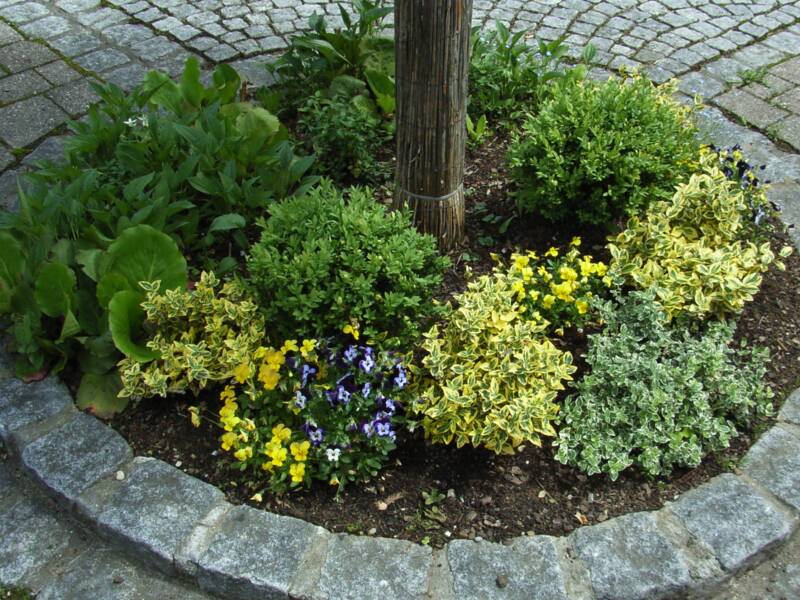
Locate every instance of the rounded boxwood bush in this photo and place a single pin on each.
(324, 261)
(596, 151)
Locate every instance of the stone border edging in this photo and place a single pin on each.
(185, 527)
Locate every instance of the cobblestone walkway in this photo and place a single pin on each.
(742, 57)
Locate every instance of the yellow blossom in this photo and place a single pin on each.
(567, 274)
(608, 281)
(274, 358)
(194, 415)
(582, 306)
(257, 498)
(290, 346)
(228, 440)
(282, 432)
(576, 241)
(242, 373)
(334, 480)
(534, 294)
(227, 394)
(527, 274)
(351, 329)
(560, 331)
(300, 450)
(297, 471)
(308, 347)
(562, 291)
(267, 466)
(519, 288)
(278, 456)
(548, 300)
(551, 252)
(242, 454)
(520, 261)
(268, 376)
(601, 269)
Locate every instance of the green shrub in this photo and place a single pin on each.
(346, 134)
(507, 76)
(690, 248)
(597, 151)
(491, 377)
(658, 397)
(324, 261)
(196, 337)
(313, 412)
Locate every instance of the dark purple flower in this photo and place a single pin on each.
(306, 374)
(368, 429)
(350, 354)
(367, 364)
(384, 429)
(366, 389)
(315, 434)
(400, 379)
(300, 400)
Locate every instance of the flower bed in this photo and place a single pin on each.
(541, 377)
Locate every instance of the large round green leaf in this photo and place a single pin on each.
(54, 290)
(98, 394)
(125, 318)
(141, 253)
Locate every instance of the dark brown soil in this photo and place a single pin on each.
(432, 493)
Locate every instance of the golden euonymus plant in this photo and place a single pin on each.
(692, 250)
(201, 335)
(493, 376)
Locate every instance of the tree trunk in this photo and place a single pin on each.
(432, 64)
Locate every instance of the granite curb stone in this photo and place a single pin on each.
(790, 412)
(733, 519)
(774, 462)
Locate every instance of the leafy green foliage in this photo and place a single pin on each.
(323, 261)
(193, 337)
(598, 151)
(693, 249)
(508, 77)
(658, 397)
(491, 376)
(321, 59)
(346, 135)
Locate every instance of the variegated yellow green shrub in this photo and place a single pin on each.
(692, 248)
(492, 375)
(201, 336)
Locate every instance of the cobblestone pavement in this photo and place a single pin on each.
(741, 56)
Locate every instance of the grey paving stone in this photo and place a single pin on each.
(154, 48)
(255, 554)
(8, 481)
(222, 52)
(20, 85)
(750, 108)
(126, 35)
(791, 408)
(788, 131)
(51, 149)
(101, 18)
(699, 83)
(789, 70)
(74, 6)
(76, 44)
(6, 158)
(30, 536)
(24, 122)
(8, 35)
(629, 558)
(530, 567)
(24, 404)
(732, 519)
(774, 462)
(103, 574)
(127, 77)
(25, 55)
(363, 568)
(58, 72)
(102, 60)
(156, 508)
(75, 98)
(74, 456)
(46, 28)
(24, 12)
(789, 100)
(759, 55)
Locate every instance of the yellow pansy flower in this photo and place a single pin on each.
(242, 454)
(242, 373)
(297, 471)
(281, 432)
(600, 268)
(300, 450)
(268, 376)
(308, 347)
(334, 480)
(227, 394)
(582, 306)
(274, 358)
(228, 440)
(548, 300)
(567, 274)
(534, 294)
(576, 241)
(562, 291)
(290, 346)
(278, 456)
(257, 498)
(351, 329)
(551, 252)
(520, 262)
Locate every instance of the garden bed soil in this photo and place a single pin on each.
(431, 493)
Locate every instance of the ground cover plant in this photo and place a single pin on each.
(310, 352)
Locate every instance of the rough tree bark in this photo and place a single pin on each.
(432, 64)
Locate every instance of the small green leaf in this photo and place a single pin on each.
(98, 394)
(227, 222)
(54, 290)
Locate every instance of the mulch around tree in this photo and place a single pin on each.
(432, 493)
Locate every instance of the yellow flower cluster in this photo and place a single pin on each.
(556, 288)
